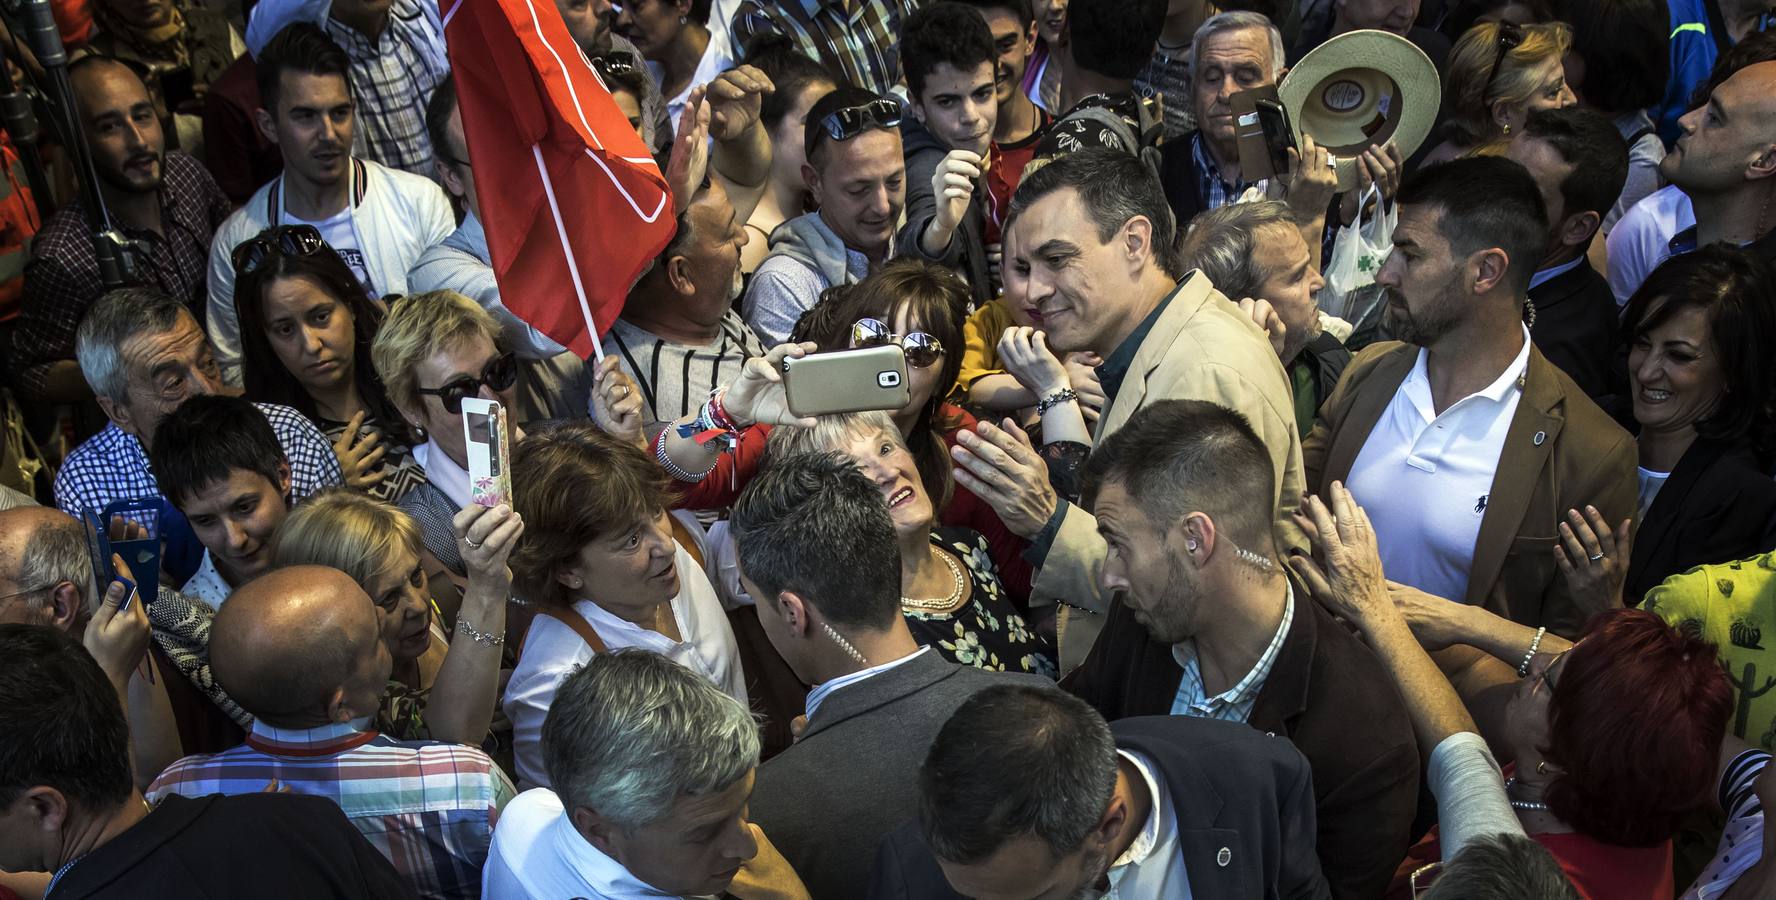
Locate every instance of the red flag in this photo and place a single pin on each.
(573, 203)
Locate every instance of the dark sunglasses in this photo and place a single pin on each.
(499, 375)
(251, 254)
(851, 121)
(617, 63)
(922, 350)
(1510, 35)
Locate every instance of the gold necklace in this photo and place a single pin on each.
(946, 602)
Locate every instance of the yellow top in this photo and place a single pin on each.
(980, 342)
(1732, 605)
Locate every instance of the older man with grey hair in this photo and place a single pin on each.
(1257, 250)
(652, 767)
(143, 354)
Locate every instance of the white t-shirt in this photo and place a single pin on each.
(552, 651)
(1650, 483)
(536, 852)
(1425, 478)
(342, 236)
(1641, 239)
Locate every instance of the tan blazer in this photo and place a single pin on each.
(1560, 453)
(1201, 348)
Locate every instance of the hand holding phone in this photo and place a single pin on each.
(844, 381)
(485, 441)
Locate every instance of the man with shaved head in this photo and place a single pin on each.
(1725, 161)
(300, 648)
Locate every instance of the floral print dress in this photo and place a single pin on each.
(986, 631)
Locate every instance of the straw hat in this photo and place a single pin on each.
(1362, 89)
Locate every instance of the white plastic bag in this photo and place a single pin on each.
(1357, 254)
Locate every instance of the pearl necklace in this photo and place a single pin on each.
(1532, 805)
(939, 603)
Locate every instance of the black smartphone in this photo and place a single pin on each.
(1279, 138)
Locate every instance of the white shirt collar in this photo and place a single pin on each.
(443, 472)
(821, 690)
(1546, 275)
(1501, 388)
(605, 876)
(1144, 843)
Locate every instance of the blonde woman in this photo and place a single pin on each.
(443, 685)
(1499, 73)
(950, 591)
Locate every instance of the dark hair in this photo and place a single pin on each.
(791, 72)
(300, 47)
(1115, 187)
(1756, 47)
(801, 514)
(437, 113)
(1502, 867)
(943, 32)
(1462, 15)
(263, 374)
(814, 137)
(935, 300)
(1737, 291)
(1178, 456)
(1486, 201)
(1015, 760)
(1114, 38)
(572, 482)
(1634, 725)
(1590, 143)
(61, 724)
(630, 77)
(1022, 9)
(1626, 49)
(206, 438)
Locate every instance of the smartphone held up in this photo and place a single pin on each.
(485, 441)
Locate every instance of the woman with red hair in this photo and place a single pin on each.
(1607, 742)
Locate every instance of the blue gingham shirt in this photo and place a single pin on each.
(113, 465)
(1235, 703)
(1215, 193)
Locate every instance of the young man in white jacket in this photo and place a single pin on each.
(379, 220)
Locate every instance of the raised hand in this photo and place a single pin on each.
(734, 98)
(486, 537)
(758, 395)
(360, 454)
(1024, 353)
(1312, 179)
(118, 638)
(952, 183)
(1000, 466)
(690, 149)
(1594, 559)
(1350, 583)
(616, 402)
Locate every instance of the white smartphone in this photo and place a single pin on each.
(484, 438)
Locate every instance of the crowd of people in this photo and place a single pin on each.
(1180, 572)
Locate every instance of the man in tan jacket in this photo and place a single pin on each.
(1096, 242)
(1466, 446)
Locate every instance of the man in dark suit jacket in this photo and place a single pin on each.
(1465, 471)
(1208, 624)
(878, 699)
(1579, 163)
(1163, 805)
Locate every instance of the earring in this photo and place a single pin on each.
(1507, 128)
(1542, 767)
(682, 21)
(1190, 545)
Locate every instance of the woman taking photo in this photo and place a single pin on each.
(444, 683)
(306, 332)
(951, 596)
(1702, 383)
(1498, 74)
(602, 566)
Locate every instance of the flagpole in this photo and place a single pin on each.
(573, 266)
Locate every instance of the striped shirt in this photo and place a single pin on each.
(862, 44)
(428, 806)
(1235, 703)
(676, 378)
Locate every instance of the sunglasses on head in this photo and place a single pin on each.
(499, 375)
(251, 254)
(922, 350)
(848, 122)
(616, 63)
(1510, 35)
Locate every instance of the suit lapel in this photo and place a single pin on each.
(1365, 412)
(1560, 287)
(1284, 694)
(854, 700)
(1186, 299)
(1658, 525)
(1535, 428)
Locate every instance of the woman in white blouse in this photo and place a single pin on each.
(600, 561)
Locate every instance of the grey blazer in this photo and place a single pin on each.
(830, 799)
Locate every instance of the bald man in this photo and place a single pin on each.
(1725, 161)
(301, 649)
(45, 578)
(165, 203)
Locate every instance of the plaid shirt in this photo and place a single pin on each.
(62, 279)
(1215, 193)
(1235, 703)
(393, 78)
(428, 806)
(862, 44)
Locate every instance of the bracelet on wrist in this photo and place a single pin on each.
(672, 468)
(484, 638)
(1064, 395)
(1534, 645)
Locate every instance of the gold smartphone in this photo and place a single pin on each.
(844, 381)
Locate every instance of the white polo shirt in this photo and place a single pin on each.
(536, 852)
(1425, 478)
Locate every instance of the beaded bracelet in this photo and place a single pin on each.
(1064, 395)
(485, 638)
(674, 469)
(1534, 645)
